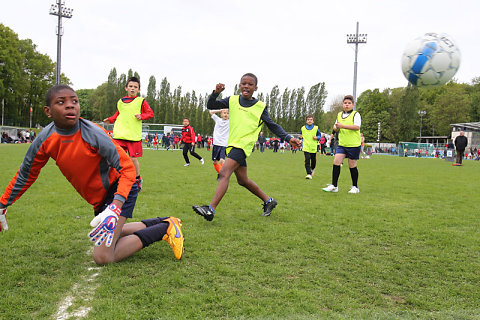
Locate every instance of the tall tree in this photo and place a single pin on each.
(112, 92)
(274, 103)
(474, 92)
(407, 114)
(300, 108)
(373, 107)
(285, 110)
(451, 106)
(317, 95)
(152, 99)
(165, 103)
(85, 97)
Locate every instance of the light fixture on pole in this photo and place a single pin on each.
(59, 10)
(356, 39)
(421, 114)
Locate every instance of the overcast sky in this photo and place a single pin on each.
(197, 43)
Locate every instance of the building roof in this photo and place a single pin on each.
(470, 126)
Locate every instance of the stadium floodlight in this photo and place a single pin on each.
(421, 114)
(60, 11)
(356, 39)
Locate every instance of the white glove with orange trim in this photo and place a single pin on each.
(104, 225)
(3, 219)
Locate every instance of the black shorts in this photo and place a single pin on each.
(218, 153)
(352, 153)
(237, 155)
(128, 205)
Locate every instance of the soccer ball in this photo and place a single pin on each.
(430, 60)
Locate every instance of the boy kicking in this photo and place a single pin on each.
(247, 114)
(101, 172)
(349, 144)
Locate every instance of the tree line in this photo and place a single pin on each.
(171, 106)
(26, 75)
(397, 110)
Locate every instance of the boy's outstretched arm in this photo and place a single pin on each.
(35, 159)
(214, 111)
(215, 104)
(219, 88)
(295, 142)
(112, 118)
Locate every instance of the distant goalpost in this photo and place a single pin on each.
(412, 149)
(161, 129)
(152, 128)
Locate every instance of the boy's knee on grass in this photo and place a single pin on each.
(102, 258)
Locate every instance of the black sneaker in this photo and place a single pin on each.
(268, 207)
(204, 211)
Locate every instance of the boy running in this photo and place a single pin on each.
(155, 141)
(101, 172)
(220, 139)
(247, 116)
(310, 135)
(188, 139)
(349, 143)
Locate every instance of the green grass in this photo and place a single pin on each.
(406, 247)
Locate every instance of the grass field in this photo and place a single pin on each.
(406, 247)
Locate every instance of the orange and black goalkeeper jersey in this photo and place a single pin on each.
(87, 157)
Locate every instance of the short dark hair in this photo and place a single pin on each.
(53, 90)
(349, 97)
(252, 76)
(133, 79)
(309, 116)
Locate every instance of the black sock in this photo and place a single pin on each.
(335, 175)
(153, 221)
(152, 234)
(354, 174)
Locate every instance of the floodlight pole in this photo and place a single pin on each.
(62, 12)
(356, 39)
(421, 114)
(3, 98)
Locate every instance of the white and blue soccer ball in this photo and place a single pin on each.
(431, 60)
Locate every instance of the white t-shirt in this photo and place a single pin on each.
(220, 132)
(357, 119)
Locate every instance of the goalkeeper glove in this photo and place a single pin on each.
(3, 219)
(104, 225)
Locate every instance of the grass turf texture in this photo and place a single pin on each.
(405, 247)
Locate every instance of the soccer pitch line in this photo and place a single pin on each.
(81, 293)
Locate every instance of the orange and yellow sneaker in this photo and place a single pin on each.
(174, 236)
